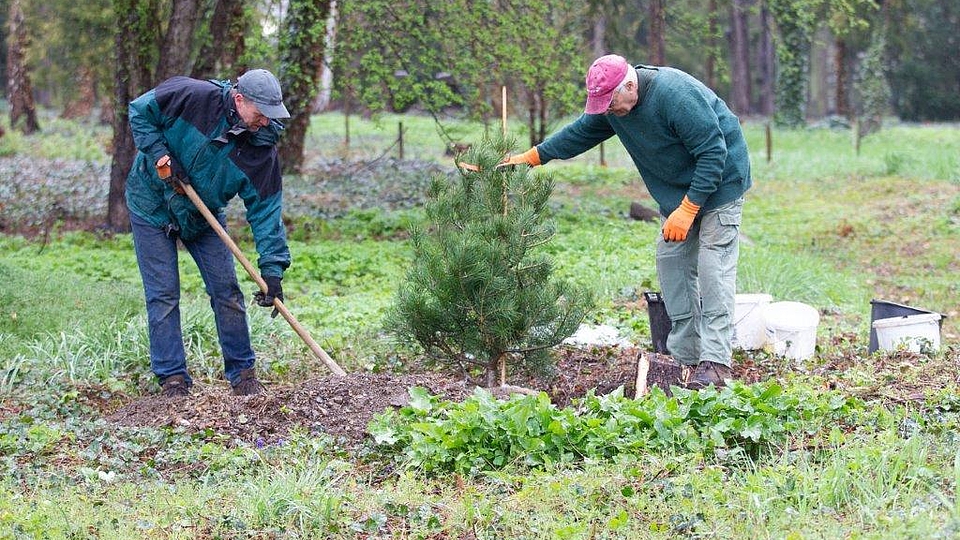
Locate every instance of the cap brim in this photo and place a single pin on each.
(598, 104)
(273, 111)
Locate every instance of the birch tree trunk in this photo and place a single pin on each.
(322, 101)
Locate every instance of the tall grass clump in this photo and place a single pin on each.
(796, 277)
(299, 500)
(873, 480)
(35, 304)
(118, 350)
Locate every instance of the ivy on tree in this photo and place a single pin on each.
(480, 292)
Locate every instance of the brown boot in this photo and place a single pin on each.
(248, 384)
(175, 386)
(708, 373)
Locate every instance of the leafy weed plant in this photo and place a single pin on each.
(483, 434)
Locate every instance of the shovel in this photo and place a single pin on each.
(277, 303)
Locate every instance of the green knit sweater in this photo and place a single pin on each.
(681, 136)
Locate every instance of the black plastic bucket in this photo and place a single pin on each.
(659, 321)
(881, 309)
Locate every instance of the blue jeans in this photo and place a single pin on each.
(698, 278)
(157, 254)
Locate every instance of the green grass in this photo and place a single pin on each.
(59, 139)
(822, 225)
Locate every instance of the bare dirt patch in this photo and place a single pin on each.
(338, 406)
(343, 406)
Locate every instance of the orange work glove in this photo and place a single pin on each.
(531, 157)
(170, 172)
(677, 225)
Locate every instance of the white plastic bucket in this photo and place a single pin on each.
(791, 329)
(917, 333)
(749, 330)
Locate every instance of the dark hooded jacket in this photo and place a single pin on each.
(196, 123)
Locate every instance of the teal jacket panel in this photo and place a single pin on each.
(681, 136)
(196, 123)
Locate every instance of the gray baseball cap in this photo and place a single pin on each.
(262, 88)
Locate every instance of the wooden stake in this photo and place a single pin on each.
(503, 110)
(503, 370)
(643, 368)
(400, 138)
(769, 134)
(856, 135)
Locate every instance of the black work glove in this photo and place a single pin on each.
(274, 290)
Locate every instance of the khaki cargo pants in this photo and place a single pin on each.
(698, 278)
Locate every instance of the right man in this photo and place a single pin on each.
(690, 152)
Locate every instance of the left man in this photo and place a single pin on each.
(221, 139)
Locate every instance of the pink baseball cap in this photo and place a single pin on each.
(605, 75)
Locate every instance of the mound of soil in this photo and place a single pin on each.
(338, 406)
(343, 406)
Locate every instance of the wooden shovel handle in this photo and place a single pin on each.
(277, 303)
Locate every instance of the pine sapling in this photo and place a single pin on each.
(480, 292)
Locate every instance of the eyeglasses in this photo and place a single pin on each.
(613, 98)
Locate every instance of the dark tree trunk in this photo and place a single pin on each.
(843, 78)
(532, 116)
(657, 43)
(542, 102)
(218, 57)
(23, 111)
(83, 96)
(137, 43)
(766, 60)
(740, 87)
(176, 46)
(132, 77)
(710, 67)
(301, 54)
(598, 42)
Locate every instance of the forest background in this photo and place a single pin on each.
(852, 61)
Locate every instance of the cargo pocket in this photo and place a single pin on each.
(721, 227)
(731, 214)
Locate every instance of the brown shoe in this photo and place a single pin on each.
(708, 373)
(248, 384)
(175, 386)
